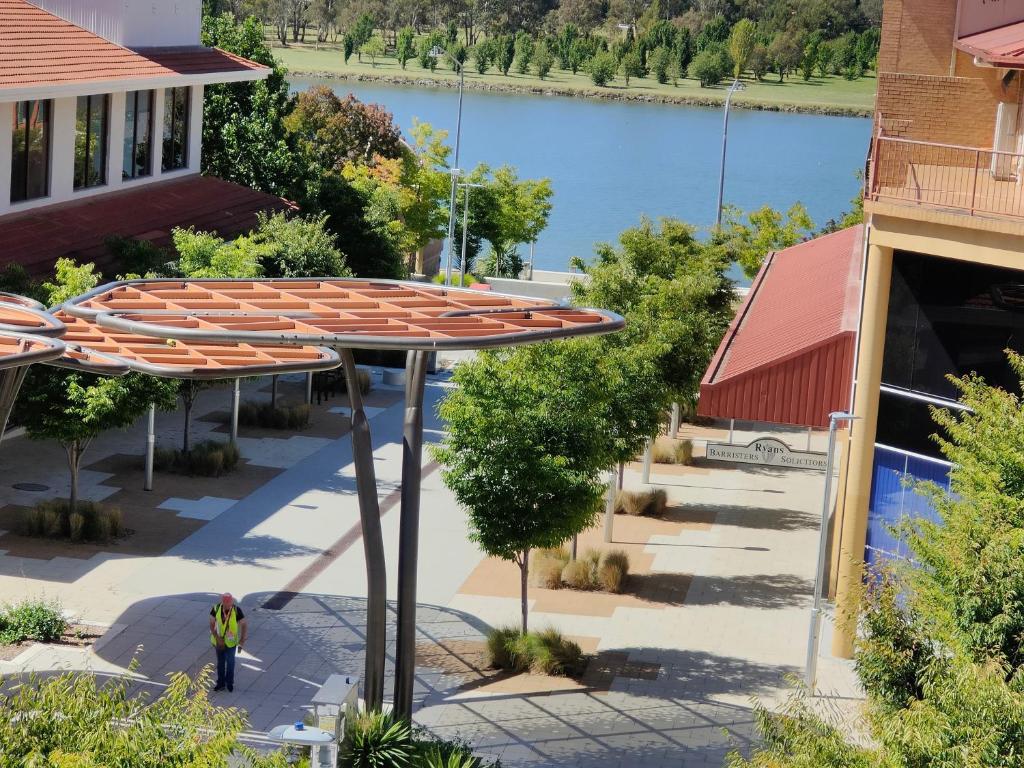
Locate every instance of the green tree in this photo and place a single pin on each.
(373, 48)
(243, 132)
(660, 62)
(524, 50)
(708, 67)
(524, 449)
(405, 47)
(74, 408)
(759, 62)
(674, 293)
(348, 47)
(204, 254)
(765, 230)
(103, 724)
(543, 60)
(785, 53)
(361, 32)
(602, 69)
(298, 247)
(567, 35)
(742, 40)
(483, 55)
(505, 52)
(632, 66)
(938, 651)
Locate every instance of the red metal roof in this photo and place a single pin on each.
(1002, 46)
(38, 48)
(787, 357)
(79, 229)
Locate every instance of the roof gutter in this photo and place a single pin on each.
(90, 87)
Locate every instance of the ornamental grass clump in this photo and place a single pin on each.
(667, 450)
(613, 570)
(90, 521)
(543, 653)
(650, 503)
(375, 740)
(267, 416)
(207, 459)
(546, 567)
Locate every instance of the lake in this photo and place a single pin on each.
(611, 162)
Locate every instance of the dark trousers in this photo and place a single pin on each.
(226, 666)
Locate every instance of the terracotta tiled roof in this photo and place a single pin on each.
(79, 229)
(367, 314)
(1002, 46)
(788, 355)
(38, 49)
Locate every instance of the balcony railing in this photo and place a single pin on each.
(981, 182)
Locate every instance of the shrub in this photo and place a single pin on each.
(252, 414)
(612, 572)
(467, 280)
(206, 459)
(31, 620)
(89, 522)
(708, 67)
(546, 567)
(438, 757)
(374, 740)
(578, 574)
(650, 503)
(667, 450)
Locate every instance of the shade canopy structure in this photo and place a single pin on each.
(348, 314)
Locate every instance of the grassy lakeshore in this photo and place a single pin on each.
(830, 95)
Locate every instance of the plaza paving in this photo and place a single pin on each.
(717, 615)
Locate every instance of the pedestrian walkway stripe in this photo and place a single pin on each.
(305, 577)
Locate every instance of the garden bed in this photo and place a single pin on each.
(74, 636)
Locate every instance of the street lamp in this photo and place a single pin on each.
(736, 86)
(814, 633)
(467, 185)
(438, 52)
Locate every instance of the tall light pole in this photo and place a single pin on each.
(437, 52)
(814, 633)
(736, 86)
(465, 228)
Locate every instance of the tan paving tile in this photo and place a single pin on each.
(500, 578)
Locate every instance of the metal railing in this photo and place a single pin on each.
(945, 176)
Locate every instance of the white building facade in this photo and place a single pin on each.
(100, 96)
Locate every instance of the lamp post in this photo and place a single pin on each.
(814, 633)
(465, 227)
(437, 52)
(736, 86)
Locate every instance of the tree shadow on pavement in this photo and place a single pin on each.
(760, 518)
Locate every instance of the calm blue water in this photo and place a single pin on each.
(611, 162)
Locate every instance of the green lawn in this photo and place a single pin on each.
(828, 94)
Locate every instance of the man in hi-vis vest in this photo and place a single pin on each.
(228, 629)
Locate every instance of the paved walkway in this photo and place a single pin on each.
(678, 676)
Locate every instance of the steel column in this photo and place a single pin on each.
(373, 540)
(309, 388)
(10, 383)
(150, 446)
(236, 396)
(273, 391)
(408, 536)
(648, 451)
(609, 510)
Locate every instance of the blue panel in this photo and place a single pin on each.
(894, 499)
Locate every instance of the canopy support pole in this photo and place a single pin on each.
(236, 396)
(408, 537)
(150, 446)
(373, 539)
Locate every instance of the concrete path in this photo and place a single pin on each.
(681, 697)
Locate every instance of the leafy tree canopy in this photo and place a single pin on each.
(765, 230)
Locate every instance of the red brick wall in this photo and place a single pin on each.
(926, 89)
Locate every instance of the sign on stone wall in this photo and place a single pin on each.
(767, 451)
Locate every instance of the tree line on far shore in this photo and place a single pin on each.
(706, 40)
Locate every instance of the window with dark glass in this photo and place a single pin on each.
(138, 135)
(175, 154)
(91, 124)
(945, 317)
(30, 144)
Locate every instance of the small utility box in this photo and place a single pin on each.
(338, 695)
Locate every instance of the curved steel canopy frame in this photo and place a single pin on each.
(454, 319)
(27, 349)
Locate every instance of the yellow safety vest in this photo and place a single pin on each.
(231, 636)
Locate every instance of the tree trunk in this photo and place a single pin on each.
(188, 426)
(74, 451)
(524, 569)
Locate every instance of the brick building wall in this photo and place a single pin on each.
(929, 91)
